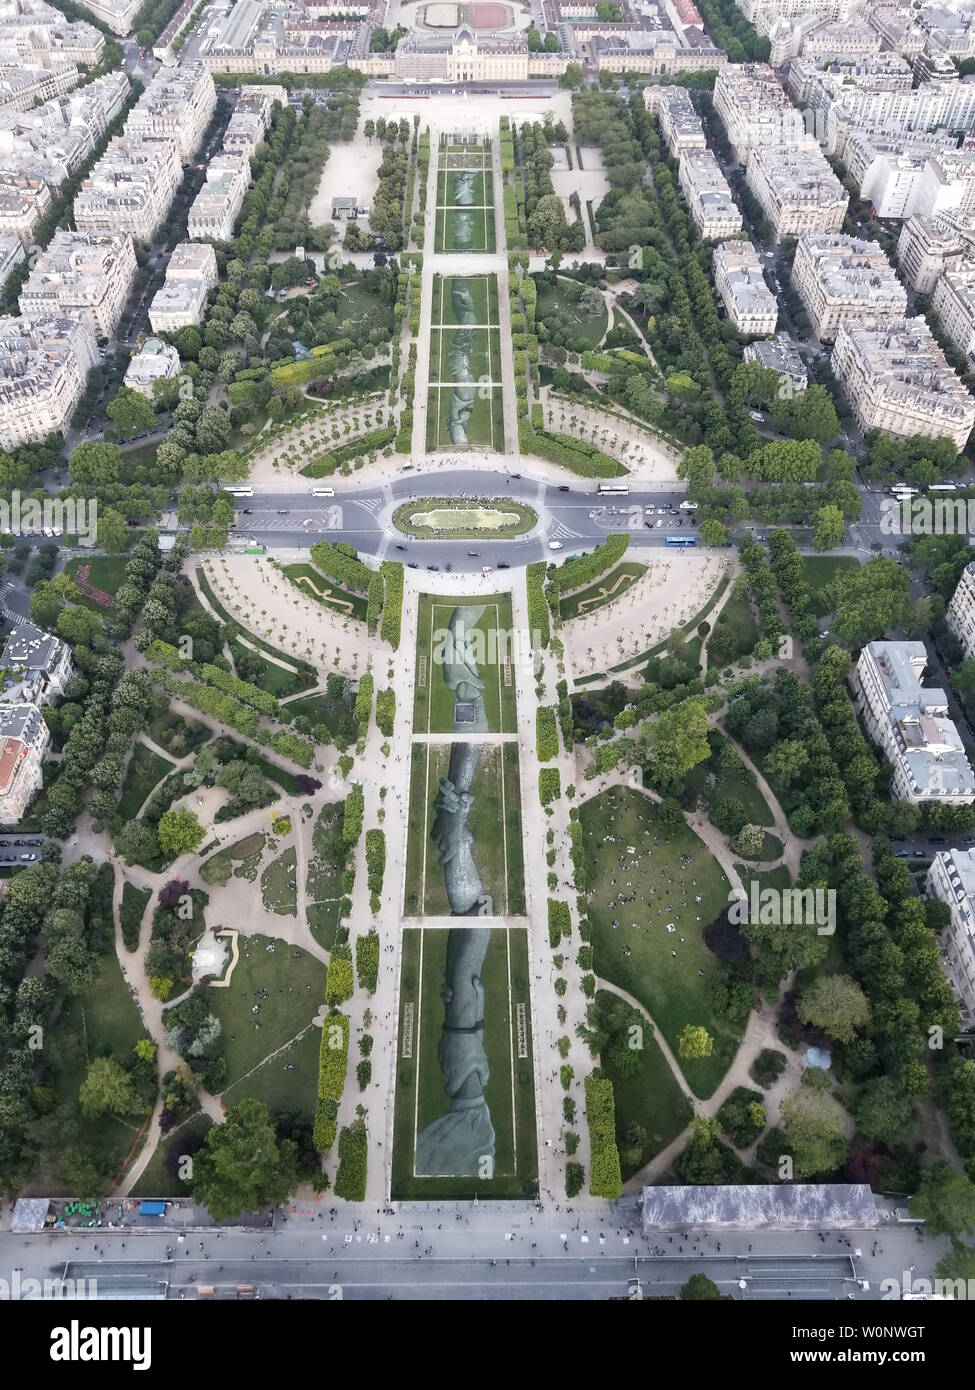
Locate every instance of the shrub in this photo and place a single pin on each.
(367, 961)
(386, 711)
(392, 572)
(339, 982)
(375, 860)
(549, 785)
(546, 734)
(341, 563)
(350, 1180)
(332, 1057)
(576, 574)
(559, 922)
(352, 816)
(605, 1178)
(575, 1176)
(538, 613)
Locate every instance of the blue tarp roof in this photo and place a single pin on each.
(152, 1208)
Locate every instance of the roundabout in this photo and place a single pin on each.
(447, 518)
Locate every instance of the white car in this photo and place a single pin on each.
(660, 523)
(555, 545)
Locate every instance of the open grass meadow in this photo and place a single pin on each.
(494, 820)
(610, 586)
(433, 700)
(483, 430)
(312, 583)
(661, 870)
(510, 1093)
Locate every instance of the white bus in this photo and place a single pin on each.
(943, 487)
(242, 491)
(606, 488)
(902, 490)
(323, 492)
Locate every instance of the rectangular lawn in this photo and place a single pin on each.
(433, 702)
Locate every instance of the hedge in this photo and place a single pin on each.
(538, 613)
(333, 1054)
(374, 603)
(208, 701)
(299, 750)
(605, 1178)
(549, 785)
(576, 574)
(580, 458)
(339, 980)
(546, 734)
(392, 573)
(352, 816)
(243, 691)
(386, 711)
(363, 700)
(367, 961)
(375, 859)
(350, 1180)
(341, 563)
(559, 922)
(327, 463)
(323, 1132)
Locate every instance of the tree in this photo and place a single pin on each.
(870, 599)
(97, 464)
(808, 414)
(189, 343)
(113, 533)
(750, 841)
(571, 80)
(714, 533)
(812, 1122)
(547, 225)
(699, 1289)
(591, 302)
(131, 412)
(107, 1087)
(695, 1042)
(829, 527)
(136, 843)
(179, 832)
(243, 1166)
(836, 1004)
(885, 1112)
(959, 1263)
(946, 1201)
(79, 626)
(787, 762)
(677, 740)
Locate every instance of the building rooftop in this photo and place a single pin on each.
(931, 747)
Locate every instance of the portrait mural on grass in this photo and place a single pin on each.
(461, 1141)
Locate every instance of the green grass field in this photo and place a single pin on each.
(586, 331)
(756, 807)
(484, 295)
(494, 820)
(277, 1087)
(106, 572)
(313, 584)
(641, 958)
(295, 985)
(161, 1176)
(433, 701)
(482, 188)
(510, 1097)
(461, 230)
(483, 430)
(821, 570)
(485, 356)
(145, 770)
(611, 586)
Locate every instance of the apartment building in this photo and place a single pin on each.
(44, 365)
(797, 189)
(947, 184)
(889, 168)
(131, 188)
(24, 200)
(739, 281)
(24, 739)
(178, 103)
(24, 87)
(928, 246)
(835, 42)
(822, 78)
(960, 613)
(181, 302)
(755, 110)
(82, 275)
(839, 277)
(155, 361)
(11, 254)
(953, 301)
(680, 124)
(253, 111)
(708, 196)
(31, 29)
(909, 722)
(34, 665)
(779, 354)
(897, 380)
(215, 208)
(951, 878)
(931, 106)
(118, 15)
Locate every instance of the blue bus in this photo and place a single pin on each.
(681, 540)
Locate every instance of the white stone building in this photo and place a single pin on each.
(797, 190)
(190, 275)
(84, 276)
(155, 361)
(953, 301)
(680, 125)
(738, 279)
(131, 188)
(44, 365)
(178, 103)
(214, 212)
(952, 879)
(928, 246)
(118, 15)
(709, 200)
(24, 739)
(839, 277)
(960, 613)
(755, 110)
(910, 724)
(897, 380)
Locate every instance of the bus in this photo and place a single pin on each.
(902, 490)
(605, 489)
(238, 491)
(323, 492)
(682, 540)
(943, 487)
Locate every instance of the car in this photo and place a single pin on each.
(282, 511)
(936, 839)
(969, 839)
(401, 547)
(433, 567)
(503, 565)
(901, 853)
(473, 552)
(516, 475)
(413, 565)
(247, 511)
(26, 858)
(563, 488)
(680, 521)
(555, 545)
(648, 525)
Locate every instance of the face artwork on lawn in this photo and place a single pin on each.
(464, 392)
(461, 1142)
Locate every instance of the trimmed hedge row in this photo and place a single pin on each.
(339, 979)
(341, 563)
(539, 621)
(375, 860)
(549, 785)
(546, 734)
(374, 603)
(559, 922)
(350, 1180)
(367, 961)
(583, 459)
(363, 700)
(327, 463)
(576, 574)
(392, 573)
(333, 1059)
(386, 711)
(605, 1178)
(352, 816)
